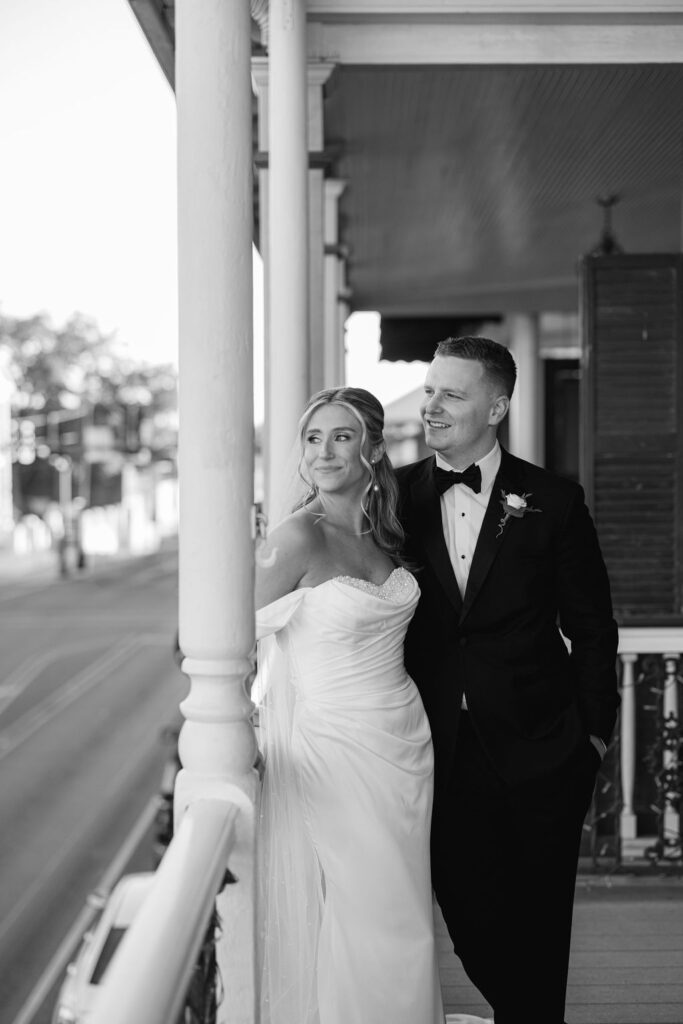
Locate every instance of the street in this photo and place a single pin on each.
(87, 684)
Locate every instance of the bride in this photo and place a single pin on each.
(346, 923)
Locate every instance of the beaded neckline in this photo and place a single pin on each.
(394, 588)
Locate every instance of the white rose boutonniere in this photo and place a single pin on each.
(515, 506)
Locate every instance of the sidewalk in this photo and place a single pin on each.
(626, 963)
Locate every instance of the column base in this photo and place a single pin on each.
(628, 825)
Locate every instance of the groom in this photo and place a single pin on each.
(506, 556)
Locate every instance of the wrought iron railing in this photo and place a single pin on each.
(636, 814)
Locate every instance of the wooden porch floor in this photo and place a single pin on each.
(627, 955)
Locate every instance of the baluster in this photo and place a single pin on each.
(628, 820)
(670, 707)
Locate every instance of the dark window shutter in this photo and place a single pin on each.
(632, 436)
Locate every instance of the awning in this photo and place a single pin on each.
(415, 338)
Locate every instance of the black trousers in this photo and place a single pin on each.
(504, 869)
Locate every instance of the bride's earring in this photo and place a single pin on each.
(375, 485)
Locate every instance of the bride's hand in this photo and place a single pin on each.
(260, 766)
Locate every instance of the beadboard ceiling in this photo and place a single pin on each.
(472, 190)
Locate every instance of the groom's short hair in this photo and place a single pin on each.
(495, 358)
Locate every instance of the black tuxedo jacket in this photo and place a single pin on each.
(530, 700)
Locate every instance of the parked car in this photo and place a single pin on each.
(85, 973)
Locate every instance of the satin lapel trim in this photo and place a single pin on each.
(427, 508)
(489, 542)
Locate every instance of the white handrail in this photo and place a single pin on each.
(650, 639)
(149, 975)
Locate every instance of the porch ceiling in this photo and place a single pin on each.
(472, 190)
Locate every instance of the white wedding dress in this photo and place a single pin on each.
(346, 811)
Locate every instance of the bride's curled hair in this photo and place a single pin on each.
(380, 498)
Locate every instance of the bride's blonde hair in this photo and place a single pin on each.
(380, 498)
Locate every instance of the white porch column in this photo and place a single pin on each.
(318, 75)
(259, 76)
(333, 338)
(671, 707)
(6, 508)
(217, 744)
(526, 407)
(628, 823)
(343, 313)
(288, 382)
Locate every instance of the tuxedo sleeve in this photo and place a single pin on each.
(586, 619)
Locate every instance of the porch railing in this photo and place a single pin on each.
(651, 658)
(149, 976)
(151, 971)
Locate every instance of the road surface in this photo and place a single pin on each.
(87, 684)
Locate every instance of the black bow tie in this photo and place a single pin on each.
(445, 478)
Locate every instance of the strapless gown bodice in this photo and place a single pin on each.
(344, 639)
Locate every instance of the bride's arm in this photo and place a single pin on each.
(283, 559)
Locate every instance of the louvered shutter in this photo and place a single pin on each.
(632, 436)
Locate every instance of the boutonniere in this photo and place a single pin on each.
(514, 506)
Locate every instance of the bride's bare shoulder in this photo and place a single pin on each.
(283, 559)
(295, 535)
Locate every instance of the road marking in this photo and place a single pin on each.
(17, 589)
(24, 674)
(89, 617)
(27, 592)
(91, 676)
(94, 901)
(155, 572)
(117, 783)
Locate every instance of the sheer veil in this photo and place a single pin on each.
(290, 893)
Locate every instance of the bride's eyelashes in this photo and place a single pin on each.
(341, 436)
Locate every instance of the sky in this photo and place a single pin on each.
(88, 186)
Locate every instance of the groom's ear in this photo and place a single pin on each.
(499, 409)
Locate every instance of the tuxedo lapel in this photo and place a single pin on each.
(427, 512)
(490, 537)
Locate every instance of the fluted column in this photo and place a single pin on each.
(627, 744)
(287, 305)
(526, 407)
(217, 744)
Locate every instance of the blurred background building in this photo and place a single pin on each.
(89, 443)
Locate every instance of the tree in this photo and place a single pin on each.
(77, 366)
(70, 383)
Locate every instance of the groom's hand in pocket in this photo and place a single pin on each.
(599, 745)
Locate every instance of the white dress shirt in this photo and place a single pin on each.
(462, 513)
